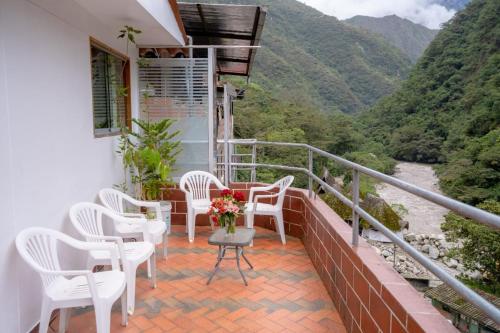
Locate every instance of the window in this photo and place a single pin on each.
(110, 89)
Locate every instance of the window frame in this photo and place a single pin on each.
(94, 43)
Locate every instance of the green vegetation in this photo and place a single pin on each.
(411, 38)
(481, 246)
(448, 111)
(266, 116)
(148, 157)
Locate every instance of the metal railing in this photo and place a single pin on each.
(460, 208)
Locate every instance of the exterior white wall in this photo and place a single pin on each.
(8, 262)
(49, 158)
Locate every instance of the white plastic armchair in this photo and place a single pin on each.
(253, 207)
(87, 218)
(117, 201)
(196, 186)
(66, 289)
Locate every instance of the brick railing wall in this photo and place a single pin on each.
(368, 293)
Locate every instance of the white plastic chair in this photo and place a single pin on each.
(66, 289)
(253, 207)
(196, 186)
(87, 218)
(117, 201)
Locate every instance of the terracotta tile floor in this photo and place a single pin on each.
(284, 293)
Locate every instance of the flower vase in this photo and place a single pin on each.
(230, 227)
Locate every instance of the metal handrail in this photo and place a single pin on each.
(454, 205)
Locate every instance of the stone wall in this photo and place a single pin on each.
(369, 294)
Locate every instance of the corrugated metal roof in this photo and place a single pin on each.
(449, 297)
(217, 24)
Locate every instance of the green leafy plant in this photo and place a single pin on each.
(129, 33)
(148, 157)
(481, 245)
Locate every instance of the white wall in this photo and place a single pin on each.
(8, 262)
(49, 156)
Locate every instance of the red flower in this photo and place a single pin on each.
(215, 219)
(226, 192)
(239, 196)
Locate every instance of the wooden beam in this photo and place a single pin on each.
(254, 35)
(204, 24)
(243, 61)
(220, 35)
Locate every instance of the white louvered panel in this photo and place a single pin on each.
(178, 89)
(175, 88)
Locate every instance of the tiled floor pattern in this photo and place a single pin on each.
(284, 294)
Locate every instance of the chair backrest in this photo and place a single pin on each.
(198, 184)
(38, 247)
(112, 199)
(283, 184)
(87, 219)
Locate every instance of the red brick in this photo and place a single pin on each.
(347, 268)
(396, 326)
(354, 304)
(380, 312)
(361, 287)
(296, 204)
(367, 323)
(180, 207)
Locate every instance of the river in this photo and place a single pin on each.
(424, 217)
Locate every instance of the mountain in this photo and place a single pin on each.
(411, 38)
(327, 63)
(449, 108)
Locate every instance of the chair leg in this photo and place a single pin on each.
(153, 270)
(249, 217)
(149, 269)
(131, 276)
(165, 244)
(280, 227)
(123, 300)
(103, 317)
(191, 221)
(64, 315)
(45, 314)
(249, 220)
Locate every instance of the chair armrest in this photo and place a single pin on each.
(66, 272)
(114, 248)
(137, 215)
(148, 204)
(262, 196)
(258, 189)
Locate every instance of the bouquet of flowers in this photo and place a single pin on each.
(225, 209)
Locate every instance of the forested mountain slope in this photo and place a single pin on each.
(411, 38)
(449, 109)
(327, 63)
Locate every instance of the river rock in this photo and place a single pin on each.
(425, 248)
(433, 252)
(410, 237)
(452, 263)
(386, 253)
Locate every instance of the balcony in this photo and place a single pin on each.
(317, 282)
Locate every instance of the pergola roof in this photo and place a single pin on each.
(216, 24)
